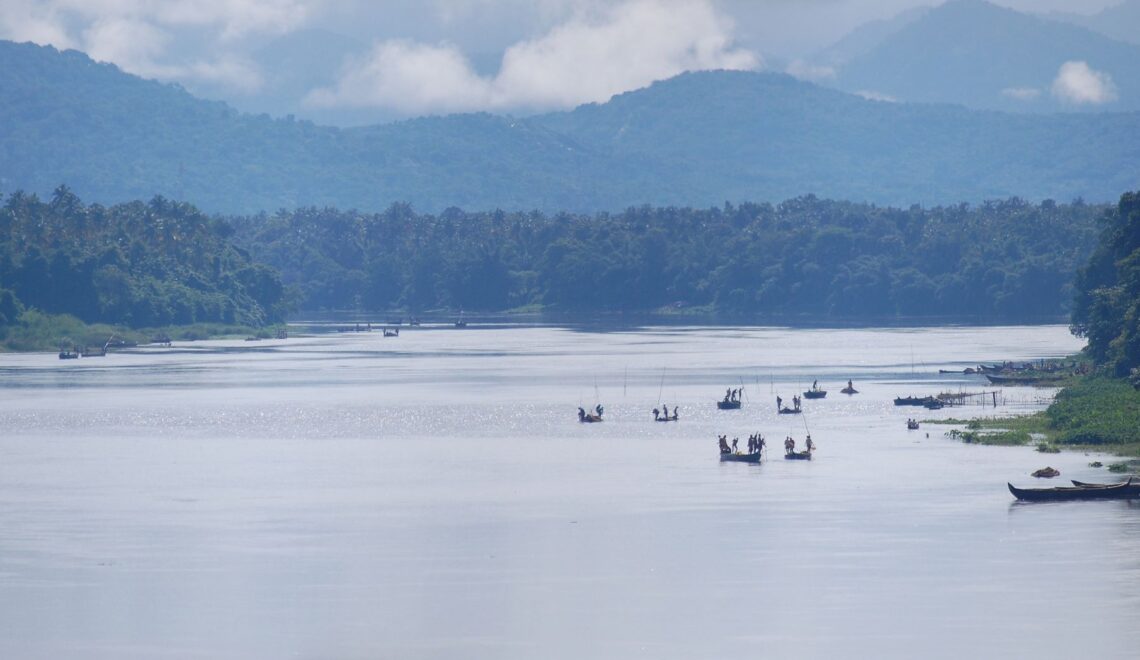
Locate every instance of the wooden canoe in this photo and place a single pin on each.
(741, 458)
(728, 405)
(798, 456)
(1071, 493)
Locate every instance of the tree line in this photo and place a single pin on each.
(158, 263)
(138, 264)
(805, 257)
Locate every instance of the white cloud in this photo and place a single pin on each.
(394, 75)
(1021, 93)
(876, 96)
(28, 20)
(600, 51)
(136, 34)
(1077, 83)
(808, 71)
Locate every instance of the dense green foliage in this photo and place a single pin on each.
(805, 257)
(1097, 411)
(137, 264)
(1107, 306)
(697, 139)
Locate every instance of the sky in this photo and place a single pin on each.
(406, 58)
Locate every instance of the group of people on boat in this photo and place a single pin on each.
(733, 395)
(755, 444)
(595, 416)
(790, 444)
(911, 423)
(658, 416)
(795, 404)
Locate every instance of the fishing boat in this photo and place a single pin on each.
(65, 354)
(815, 393)
(850, 389)
(912, 424)
(590, 418)
(740, 458)
(789, 411)
(658, 417)
(1024, 379)
(912, 400)
(1069, 493)
(391, 332)
(798, 455)
(728, 405)
(1086, 484)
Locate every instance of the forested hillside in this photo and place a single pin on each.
(803, 258)
(698, 139)
(1107, 309)
(135, 264)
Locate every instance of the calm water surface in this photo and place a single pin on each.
(433, 496)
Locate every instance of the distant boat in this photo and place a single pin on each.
(798, 455)
(740, 458)
(1024, 379)
(815, 392)
(911, 424)
(913, 400)
(728, 405)
(391, 332)
(68, 355)
(849, 390)
(590, 418)
(789, 411)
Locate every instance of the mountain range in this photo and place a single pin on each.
(984, 56)
(695, 140)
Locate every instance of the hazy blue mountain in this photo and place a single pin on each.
(867, 37)
(1121, 22)
(984, 56)
(698, 139)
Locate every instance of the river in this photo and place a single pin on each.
(432, 495)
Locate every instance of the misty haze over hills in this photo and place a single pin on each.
(984, 56)
(698, 139)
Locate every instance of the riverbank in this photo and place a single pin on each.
(1092, 413)
(36, 331)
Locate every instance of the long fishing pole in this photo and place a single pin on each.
(661, 389)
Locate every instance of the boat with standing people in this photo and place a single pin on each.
(731, 400)
(815, 392)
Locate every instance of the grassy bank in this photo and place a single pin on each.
(36, 331)
(1090, 414)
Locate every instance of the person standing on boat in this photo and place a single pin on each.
(734, 441)
(657, 414)
(779, 403)
(789, 445)
(815, 385)
(728, 394)
(723, 441)
(810, 445)
(598, 409)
